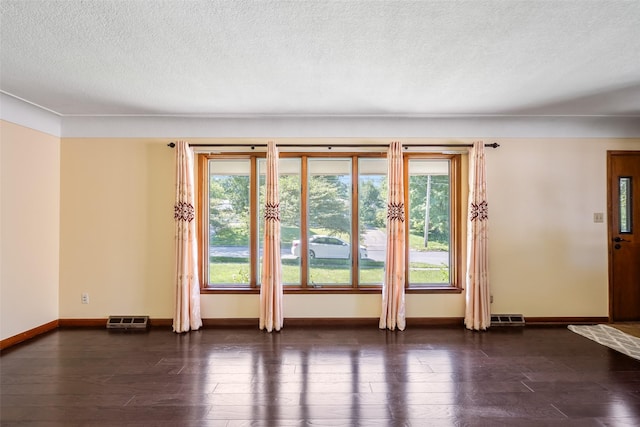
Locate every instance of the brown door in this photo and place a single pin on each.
(624, 235)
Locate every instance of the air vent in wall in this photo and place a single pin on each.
(507, 320)
(128, 322)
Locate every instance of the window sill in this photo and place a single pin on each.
(435, 290)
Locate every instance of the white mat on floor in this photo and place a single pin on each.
(610, 337)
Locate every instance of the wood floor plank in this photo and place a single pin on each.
(311, 376)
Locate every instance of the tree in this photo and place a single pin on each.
(229, 209)
(237, 192)
(217, 212)
(290, 200)
(372, 201)
(329, 204)
(438, 227)
(439, 224)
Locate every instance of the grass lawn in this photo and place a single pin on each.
(237, 236)
(226, 270)
(416, 243)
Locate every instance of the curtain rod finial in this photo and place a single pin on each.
(171, 144)
(494, 145)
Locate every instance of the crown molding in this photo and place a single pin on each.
(27, 114)
(351, 127)
(22, 112)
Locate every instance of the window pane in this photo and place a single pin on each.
(289, 191)
(372, 216)
(229, 224)
(624, 184)
(429, 222)
(329, 222)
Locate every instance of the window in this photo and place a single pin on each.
(229, 221)
(290, 191)
(372, 219)
(429, 221)
(625, 207)
(339, 204)
(329, 222)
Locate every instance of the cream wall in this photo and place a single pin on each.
(30, 217)
(548, 258)
(116, 227)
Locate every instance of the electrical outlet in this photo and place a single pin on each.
(491, 299)
(85, 298)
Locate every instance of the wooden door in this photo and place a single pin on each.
(624, 235)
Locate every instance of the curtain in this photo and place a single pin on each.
(271, 285)
(478, 299)
(187, 304)
(393, 310)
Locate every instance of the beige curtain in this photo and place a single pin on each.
(393, 310)
(271, 285)
(187, 304)
(478, 299)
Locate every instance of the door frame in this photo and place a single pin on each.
(610, 237)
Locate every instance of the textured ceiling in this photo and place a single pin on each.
(393, 58)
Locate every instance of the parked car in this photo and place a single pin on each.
(327, 247)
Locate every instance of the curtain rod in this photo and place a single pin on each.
(330, 146)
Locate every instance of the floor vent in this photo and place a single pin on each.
(507, 320)
(128, 322)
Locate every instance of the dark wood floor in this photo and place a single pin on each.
(318, 376)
